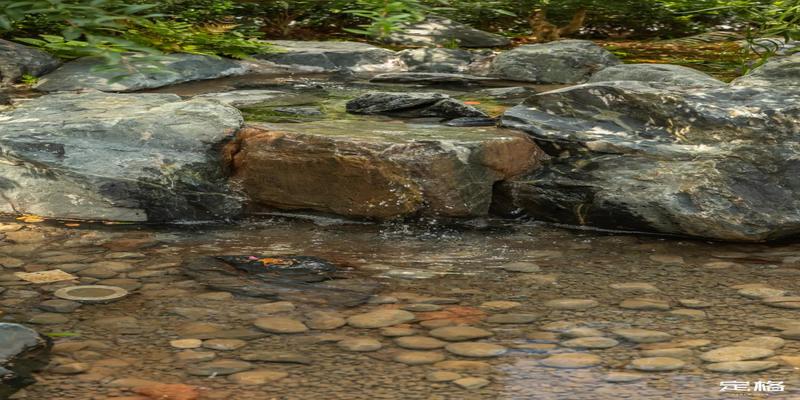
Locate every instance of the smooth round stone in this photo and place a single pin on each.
(736, 353)
(360, 344)
(286, 357)
(274, 308)
(766, 342)
(322, 320)
(590, 342)
(667, 259)
(398, 332)
(637, 335)
(48, 319)
(442, 376)
(634, 287)
(643, 304)
(380, 318)
(460, 333)
(542, 337)
(689, 313)
(721, 264)
(473, 349)
(559, 326)
(437, 323)
(694, 303)
(521, 266)
(581, 332)
(623, 377)
(741, 366)
(422, 307)
(257, 377)
(571, 360)
(536, 348)
(571, 304)
(657, 364)
(59, 306)
(70, 368)
(761, 292)
(471, 383)
(418, 357)
(98, 272)
(792, 302)
(215, 296)
(91, 293)
(191, 356)
(512, 318)
(463, 365)
(500, 305)
(676, 352)
(186, 343)
(219, 367)
(419, 342)
(280, 325)
(224, 344)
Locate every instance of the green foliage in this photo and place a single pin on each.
(385, 16)
(107, 28)
(183, 37)
(29, 80)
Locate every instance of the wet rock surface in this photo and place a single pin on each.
(411, 105)
(665, 73)
(350, 168)
(438, 60)
(641, 156)
(559, 62)
(17, 60)
(139, 73)
(143, 157)
(23, 351)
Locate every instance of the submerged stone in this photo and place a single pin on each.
(292, 278)
(378, 170)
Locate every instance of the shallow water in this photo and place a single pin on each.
(118, 343)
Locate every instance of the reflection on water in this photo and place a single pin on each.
(541, 292)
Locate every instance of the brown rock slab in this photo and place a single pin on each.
(358, 169)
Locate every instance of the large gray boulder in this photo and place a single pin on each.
(121, 157)
(311, 56)
(779, 71)
(22, 352)
(137, 72)
(717, 163)
(17, 60)
(436, 60)
(436, 31)
(412, 105)
(665, 73)
(560, 62)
